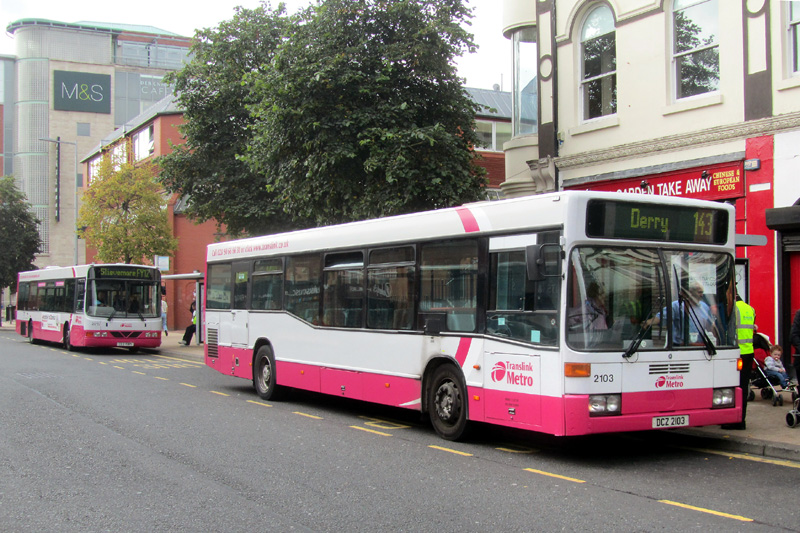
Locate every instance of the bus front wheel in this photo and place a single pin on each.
(264, 374)
(447, 403)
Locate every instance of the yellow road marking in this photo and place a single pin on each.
(259, 403)
(383, 424)
(465, 454)
(88, 358)
(513, 448)
(709, 511)
(188, 385)
(120, 367)
(102, 362)
(309, 416)
(181, 360)
(542, 472)
(748, 457)
(220, 393)
(163, 379)
(372, 431)
(137, 372)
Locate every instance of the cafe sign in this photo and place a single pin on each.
(713, 182)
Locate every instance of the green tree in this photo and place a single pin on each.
(361, 113)
(124, 215)
(19, 233)
(214, 98)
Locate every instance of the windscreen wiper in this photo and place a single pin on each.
(700, 330)
(642, 332)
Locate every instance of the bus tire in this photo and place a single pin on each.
(264, 374)
(447, 403)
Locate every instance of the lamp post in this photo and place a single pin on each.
(75, 177)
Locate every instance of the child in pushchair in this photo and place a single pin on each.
(764, 380)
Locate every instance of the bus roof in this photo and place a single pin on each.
(531, 212)
(78, 271)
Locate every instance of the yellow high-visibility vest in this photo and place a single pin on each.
(745, 327)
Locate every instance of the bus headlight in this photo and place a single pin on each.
(605, 404)
(722, 398)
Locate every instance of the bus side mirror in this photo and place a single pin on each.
(543, 261)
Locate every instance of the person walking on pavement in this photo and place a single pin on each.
(190, 330)
(745, 330)
(164, 308)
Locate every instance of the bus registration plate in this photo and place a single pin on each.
(670, 421)
(128, 344)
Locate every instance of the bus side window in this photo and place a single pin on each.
(448, 282)
(218, 293)
(302, 287)
(24, 295)
(267, 291)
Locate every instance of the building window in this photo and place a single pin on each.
(143, 144)
(492, 135)
(695, 47)
(525, 95)
(599, 63)
(794, 35)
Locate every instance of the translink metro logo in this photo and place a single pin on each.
(513, 373)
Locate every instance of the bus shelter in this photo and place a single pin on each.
(199, 285)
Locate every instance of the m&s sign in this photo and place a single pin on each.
(81, 91)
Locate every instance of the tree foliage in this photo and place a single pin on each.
(124, 215)
(362, 113)
(352, 109)
(19, 233)
(214, 98)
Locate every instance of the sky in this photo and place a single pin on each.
(490, 65)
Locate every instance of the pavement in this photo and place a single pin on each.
(767, 434)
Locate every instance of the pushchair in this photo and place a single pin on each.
(759, 379)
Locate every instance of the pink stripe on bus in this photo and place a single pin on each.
(463, 349)
(468, 220)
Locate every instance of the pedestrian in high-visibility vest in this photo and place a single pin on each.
(745, 331)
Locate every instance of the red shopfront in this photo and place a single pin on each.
(749, 191)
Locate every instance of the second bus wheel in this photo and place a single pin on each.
(264, 374)
(447, 403)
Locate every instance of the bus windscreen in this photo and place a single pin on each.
(612, 219)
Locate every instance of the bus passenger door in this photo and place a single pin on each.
(239, 314)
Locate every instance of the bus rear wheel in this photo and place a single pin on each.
(264, 374)
(447, 403)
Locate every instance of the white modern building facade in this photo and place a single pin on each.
(68, 86)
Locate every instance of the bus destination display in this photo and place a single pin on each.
(123, 272)
(644, 221)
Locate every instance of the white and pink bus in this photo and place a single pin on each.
(568, 313)
(98, 305)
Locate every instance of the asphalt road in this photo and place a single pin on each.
(108, 441)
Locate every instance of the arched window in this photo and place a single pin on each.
(599, 63)
(695, 51)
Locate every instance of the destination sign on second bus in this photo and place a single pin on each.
(644, 221)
